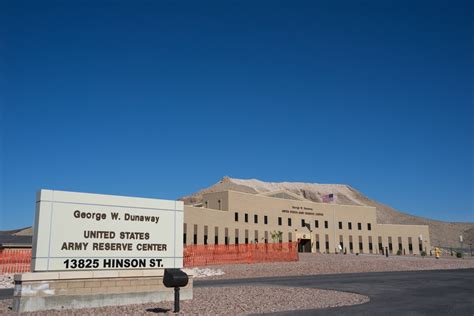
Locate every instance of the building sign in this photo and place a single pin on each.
(81, 231)
(305, 213)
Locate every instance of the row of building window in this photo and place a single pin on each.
(389, 248)
(265, 239)
(255, 218)
(226, 240)
(247, 239)
(303, 222)
(351, 245)
(359, 226)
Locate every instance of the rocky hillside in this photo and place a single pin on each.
(445, 234)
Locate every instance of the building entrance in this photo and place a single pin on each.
(304, 245)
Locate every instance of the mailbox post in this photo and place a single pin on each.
(175, 278)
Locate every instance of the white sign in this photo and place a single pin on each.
(81, 231)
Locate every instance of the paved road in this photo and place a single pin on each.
(441, 292)
(6, 293)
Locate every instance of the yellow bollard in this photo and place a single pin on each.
(437, 252)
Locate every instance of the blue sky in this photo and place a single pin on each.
(160, 99)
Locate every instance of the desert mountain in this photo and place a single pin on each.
(444, 234)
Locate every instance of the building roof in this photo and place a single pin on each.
(283, 194)
(15, 241)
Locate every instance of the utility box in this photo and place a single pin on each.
(175, 278)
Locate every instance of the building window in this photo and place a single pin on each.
(317, 245)
(290, 238)
(390, 247)
(289, 221)
(351, 246)
(216, 240)
(236, 240)
(219, 204)
(205, 239)
(279, 221)
(361, 248)
(316, 224)
(340, 225)
(410, 245)
(226, 240)
(246, 240)
(236, 216)
(185, 229)
(255, 219)
(195, 232)
(369, 226)
(349, 226)
(370, 247)
(265, 219)
(326, 224)
(359, 226)
(302, 223)
(246, 217)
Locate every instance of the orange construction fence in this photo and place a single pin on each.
(18, 260)
(15, 260)
(201, 255)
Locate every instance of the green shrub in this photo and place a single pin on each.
(458, 254)
(423, 253)
(399, 252)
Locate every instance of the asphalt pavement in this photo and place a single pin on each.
(435, 292)
(6, 294)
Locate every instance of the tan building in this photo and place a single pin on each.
(231, 217)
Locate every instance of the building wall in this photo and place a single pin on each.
(212, 221)
(405, 232)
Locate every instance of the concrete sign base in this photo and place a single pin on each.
(86, 289)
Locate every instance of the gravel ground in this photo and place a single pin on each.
(241, 300)
(313, 264)
(235, 300)
(6, 281)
